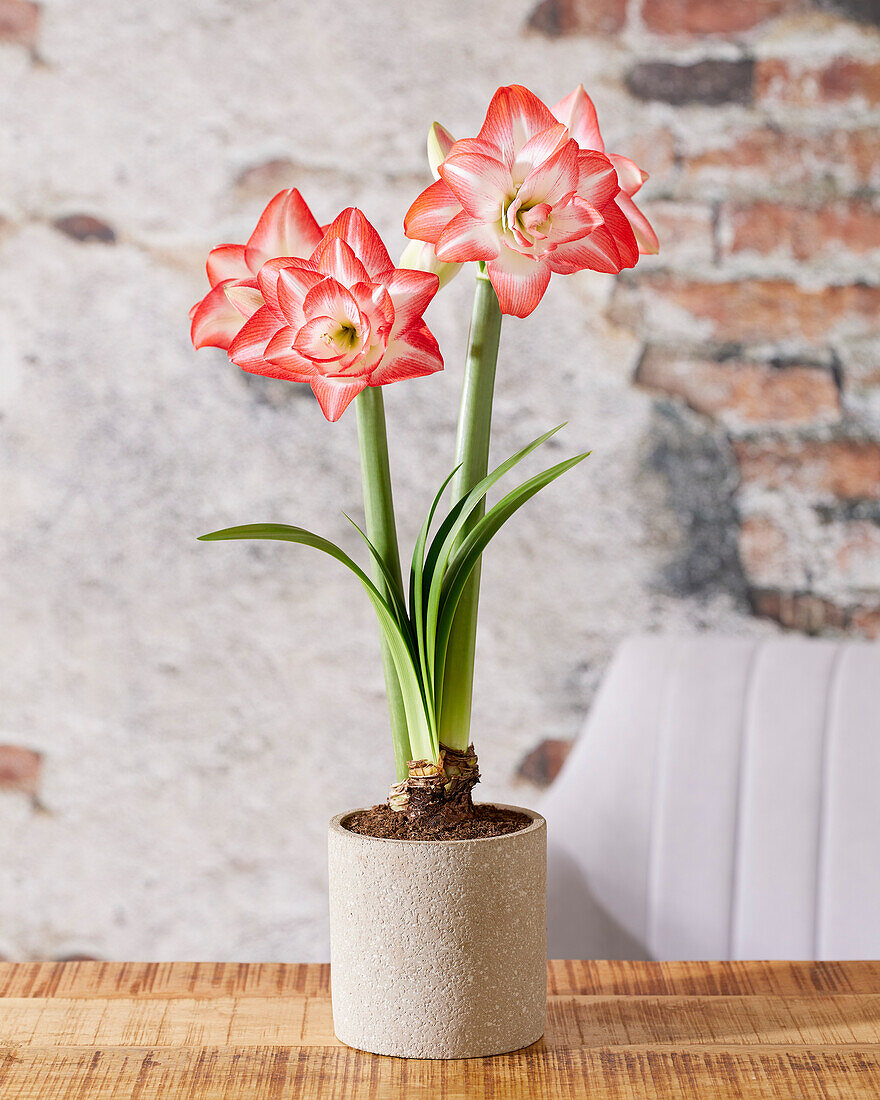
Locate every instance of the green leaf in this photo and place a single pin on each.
(445, 539)
(422, 737)
(391, 582)
(468, 554)
(417, 588)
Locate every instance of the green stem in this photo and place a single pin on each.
(472, 452)
(382, 530)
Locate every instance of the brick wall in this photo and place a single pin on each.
(166, 705)
(761, 313)
(759, 318)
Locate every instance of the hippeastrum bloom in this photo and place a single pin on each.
(526, 199)
(286, 228)
(578, 113)
(341, 320)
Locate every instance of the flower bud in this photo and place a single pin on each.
(440, 141)
(420, 256)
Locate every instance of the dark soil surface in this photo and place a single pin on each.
(388, 824)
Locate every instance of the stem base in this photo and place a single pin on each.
(438, 796)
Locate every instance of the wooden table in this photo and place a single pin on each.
(644, 1031)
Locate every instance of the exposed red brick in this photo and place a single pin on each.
(543, 763)
(801, 611)
(866, 621)
(762, 161)
(654, 151)
(19, 769)
(686, 232)
(771, 309)
(739, 393)
(711, 16)
(85, 227)
(19, 22)
(843, 79)
(763, 550)
(847, 469)
(857, 558)
(559, 17)
(803, 232)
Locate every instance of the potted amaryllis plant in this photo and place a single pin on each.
(437, 903)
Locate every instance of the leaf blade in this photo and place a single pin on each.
(422, 735)
(472, 547)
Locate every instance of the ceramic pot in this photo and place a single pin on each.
(438, 947)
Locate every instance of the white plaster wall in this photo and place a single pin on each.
(204, 709)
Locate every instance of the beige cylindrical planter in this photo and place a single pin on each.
(438, 947)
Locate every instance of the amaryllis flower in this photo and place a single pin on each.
(526, 199)
(341, 320)
(286, 228)
(578, 113)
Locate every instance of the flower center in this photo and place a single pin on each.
(343, 339)
(527, 225)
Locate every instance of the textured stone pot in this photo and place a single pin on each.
(438, 947)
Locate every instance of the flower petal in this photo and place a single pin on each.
(311, 341)
(410, 293)
(597, 178)
(335, 257)
(579, 115)
(629, 175)
(375, 303)
(245, 297)
(352, 227)
(645, 236)
(279, 351)
(227, 262)
(610, 248)
(248, 348)
(617, 224)
(215, 321)
(553, 178)
(598, 252)
(514, 116)
(431, 213)
(286, 228)
(284, 284)
(476, 145)
(336, 394)
(467, 238)
(537, 150)
(519, 281)
(573, 220)
(481, 184)
(413, 354)
(331, 299)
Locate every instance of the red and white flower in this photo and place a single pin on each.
(286, 228)
(341, 320)
(526, 199)
(578, 113)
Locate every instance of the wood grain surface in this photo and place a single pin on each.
(108, 1031)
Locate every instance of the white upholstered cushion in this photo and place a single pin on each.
(723, 801)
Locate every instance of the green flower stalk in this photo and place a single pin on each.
(382, 532)
(472, 457)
